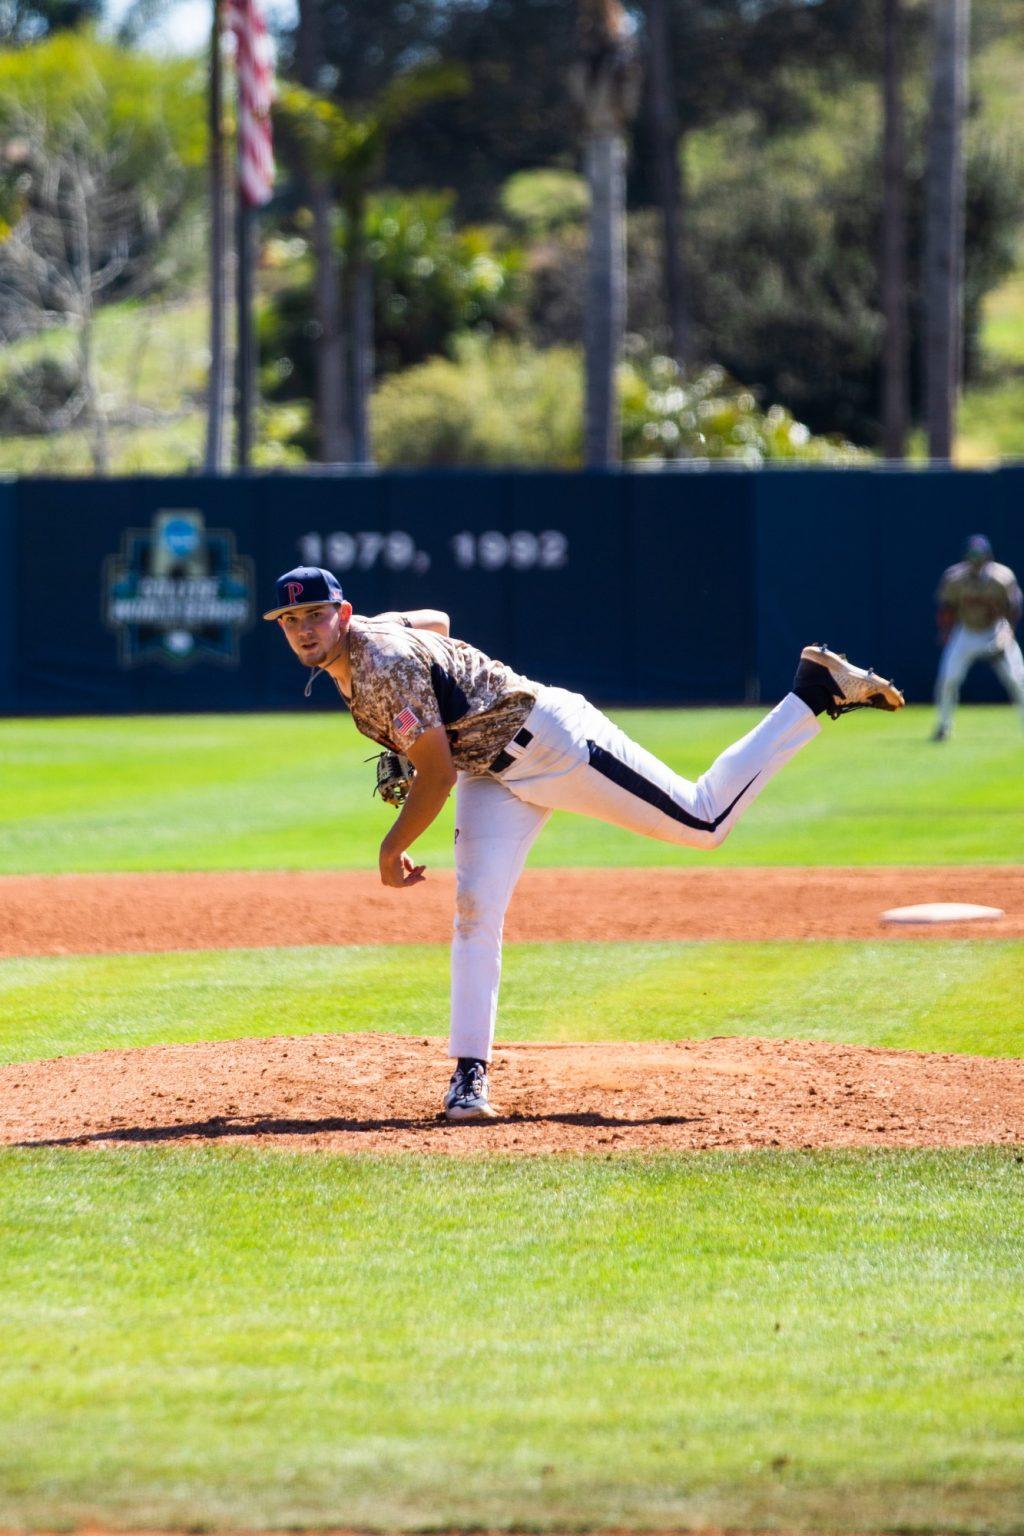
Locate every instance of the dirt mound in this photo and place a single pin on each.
(380, 1093)
(86, 914)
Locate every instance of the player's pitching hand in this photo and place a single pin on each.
(398, 869)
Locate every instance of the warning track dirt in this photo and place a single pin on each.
(94, 914)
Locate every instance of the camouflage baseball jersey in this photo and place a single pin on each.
(406, 680)
(980, 598)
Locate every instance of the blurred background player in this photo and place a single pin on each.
(979, 607)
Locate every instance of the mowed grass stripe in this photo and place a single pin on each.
(937, 996)
(195, 1340)
(273, 791)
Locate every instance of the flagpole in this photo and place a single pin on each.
(216, 388)
(245, 357)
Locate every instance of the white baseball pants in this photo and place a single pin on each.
(966, 646)
(577, 760)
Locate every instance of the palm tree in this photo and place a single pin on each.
(605, 83)
(345, 152)
(331, 413)
(664, 127)
(895, 382)
(944, 231)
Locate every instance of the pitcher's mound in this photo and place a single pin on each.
(381, 1093)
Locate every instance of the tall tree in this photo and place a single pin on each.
(944, 232)
(346, 151)
(333, 427)
(515, 112)
(106, 151)
(664, 129)
(605, 83)
(895, 371)
(773, 57)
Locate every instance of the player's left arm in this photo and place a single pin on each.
(431, 756)
(420, 618)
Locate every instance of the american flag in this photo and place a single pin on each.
(255, 69)
(405, 722)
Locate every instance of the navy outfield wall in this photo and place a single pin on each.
(676, 586)
(9, 570)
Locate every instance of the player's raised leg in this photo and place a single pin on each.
(493, 834)
(578, 760)
(622, 783)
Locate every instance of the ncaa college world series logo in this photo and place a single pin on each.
(178, 593)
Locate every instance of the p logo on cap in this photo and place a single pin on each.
(303, 587)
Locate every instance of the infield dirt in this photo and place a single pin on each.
(380, 1093)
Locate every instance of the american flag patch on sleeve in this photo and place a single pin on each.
(405, 722)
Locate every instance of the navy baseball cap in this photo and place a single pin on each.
(301, 588)
(978, 547)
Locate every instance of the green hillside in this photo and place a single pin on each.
(992, 412)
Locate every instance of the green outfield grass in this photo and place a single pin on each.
(260, 792)
(195, 1340)
(938, 996)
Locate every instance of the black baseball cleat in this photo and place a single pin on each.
(467, 1097)
(940, 733)
(836, 686)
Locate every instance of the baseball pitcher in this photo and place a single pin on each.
(447, 716)
(979, 607)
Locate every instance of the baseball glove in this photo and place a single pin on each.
(394, 775)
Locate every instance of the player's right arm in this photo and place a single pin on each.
(431, 756)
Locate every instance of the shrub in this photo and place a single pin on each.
(494, 404)
(542, 200)
(505, 403)
(431, 283)
(667, 414)
(40, 396)
(431, 280)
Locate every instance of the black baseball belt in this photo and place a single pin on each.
(505, 758)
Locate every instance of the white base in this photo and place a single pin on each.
(941, 912)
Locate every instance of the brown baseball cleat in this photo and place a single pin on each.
(848, 687)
